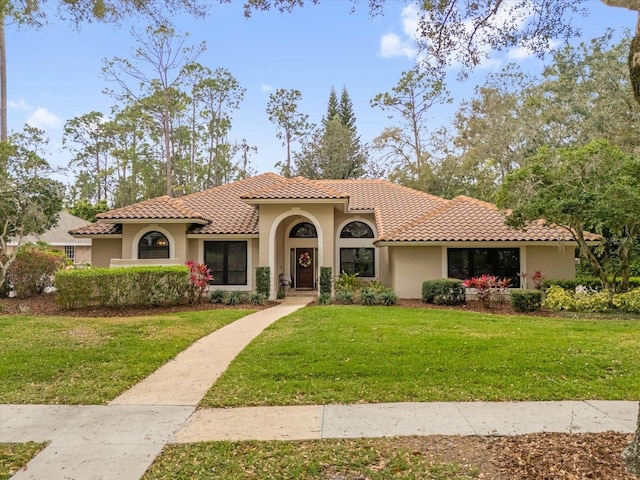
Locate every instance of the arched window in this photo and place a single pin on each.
(153, 245)
(356, 230)
(304, 230)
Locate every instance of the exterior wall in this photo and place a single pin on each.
(83, 253)
(175, 232)
(410, 266)
(105, 249)
(557, 262)
(384, 265)
(275, 222)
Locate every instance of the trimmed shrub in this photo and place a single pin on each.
(526, 300)
(595, 302)
(446, 291)
(324, 299)
(118, 287)
(326, 274)
(571, 284)
(34, 268)
(263, 281)
(218, 296)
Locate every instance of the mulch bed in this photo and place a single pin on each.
(541, 456)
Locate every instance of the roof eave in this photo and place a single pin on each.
(462, 243)
(198, 221)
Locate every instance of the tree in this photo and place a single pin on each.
(88, 139)
(580, 190)
(291, 125)
(404, 145)
(88, 211)
(33, 13)
(29, 201)
(334, 151)
(159, 64)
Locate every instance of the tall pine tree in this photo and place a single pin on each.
(335, 151)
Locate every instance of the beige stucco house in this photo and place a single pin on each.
(375, 228)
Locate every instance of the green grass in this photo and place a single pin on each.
(339, 354)
(14, 456)
(66, 360)
(376, 459)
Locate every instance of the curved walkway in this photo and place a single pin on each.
(120, 440)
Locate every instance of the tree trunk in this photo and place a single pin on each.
(631, 454)
(3, 83)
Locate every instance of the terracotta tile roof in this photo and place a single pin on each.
(466, 219)
(224, 207)
(98, 229)
(401, 214)
(160, 207)
(298, 188)
(393, 204)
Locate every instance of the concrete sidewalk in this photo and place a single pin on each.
(121, 440)
(405, 419)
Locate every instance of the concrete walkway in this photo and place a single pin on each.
(121, 440)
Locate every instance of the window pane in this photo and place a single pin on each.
(304, 230)
(227, 261)
(153, 245)
(356, 230)
(358, 260)
(465, 263)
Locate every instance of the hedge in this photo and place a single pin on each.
(119, 287)
(526, 300)
(445, 291)
(263, 281)
(588, 282)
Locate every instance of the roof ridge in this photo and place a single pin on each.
(226, 186)
(131, 205)
(296, 180)
(476, 201)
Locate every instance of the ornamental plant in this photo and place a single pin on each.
(199, 277)
(489, 288)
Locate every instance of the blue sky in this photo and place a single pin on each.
(54, 73)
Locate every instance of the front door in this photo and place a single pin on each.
(305, 266)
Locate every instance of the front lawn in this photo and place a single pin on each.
(327, 459)
(14, 456)
(349, 354)
(65, 360)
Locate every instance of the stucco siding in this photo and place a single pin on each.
(556, 262)
(104, 249)
(410, 266)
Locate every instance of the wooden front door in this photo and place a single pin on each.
(305, 268)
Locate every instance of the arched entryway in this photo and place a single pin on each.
(302, 244)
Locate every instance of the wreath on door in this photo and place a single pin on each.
(305, 260)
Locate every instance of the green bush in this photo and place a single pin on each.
(257, 298)
(218, 296)
(388, 297)
(628, 302)
(348, 282)
(595, 302)
(281, 294)
(445, 291)
(324, 299)
(591, 283)
(236, 298)
(559, 299)
(526, 300)
(118, 287)
(34, 268)
(263, 281)
(325, 280)
(345, 297)
(368, 297)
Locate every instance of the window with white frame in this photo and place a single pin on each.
(70, 252)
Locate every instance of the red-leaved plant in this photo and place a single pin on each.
(488, 288)
(199, 277)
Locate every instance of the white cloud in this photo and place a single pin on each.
(266, 88)
(21, 105)
(522, 53)
(391, 45)
(43, 118)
